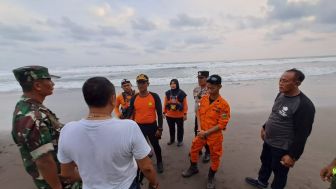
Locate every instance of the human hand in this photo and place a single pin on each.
(262, 133)
(184, 117)
(202, 134)
(326, 173)
(158, 134)
(287, 161)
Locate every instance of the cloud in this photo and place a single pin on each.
(156, 46)
(284, 10)
(183, 20)
(113, 13)
(327, 12)
(83, 33)
(199, 40)
(143, 25)
(110, 31)
(116, 45)
(92, 53)
(19, 33)
(323, 11)
(51, 49)
(280, 31)
(312, 39)
(77, 31)
(288, 17)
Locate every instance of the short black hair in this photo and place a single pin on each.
(27, 86)
(97, 91)
(298, 74)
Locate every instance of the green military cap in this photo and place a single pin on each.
(30, 73)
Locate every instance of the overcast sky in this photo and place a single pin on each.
(88, 32)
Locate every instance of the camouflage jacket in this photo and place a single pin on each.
(36, 131)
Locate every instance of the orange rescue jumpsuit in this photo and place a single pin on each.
(211, 115)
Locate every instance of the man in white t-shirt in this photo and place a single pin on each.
(105, 150)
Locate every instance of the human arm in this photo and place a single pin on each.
(146, 167)
(48, 169)
(158, 107)
(164, 107)
(116, 109)
(69, 172)
(303, 121)
(185, 108)
(140, 151)
(131, 112)
(39, 143)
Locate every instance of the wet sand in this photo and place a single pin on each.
(250, 102)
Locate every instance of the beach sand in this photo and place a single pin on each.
(250, 101)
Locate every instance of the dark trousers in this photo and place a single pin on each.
(135, 184)
(207, 149)
(270, 162)
(180, 130)
(149, 130)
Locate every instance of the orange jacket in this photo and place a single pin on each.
(211, 115)
(175, 114)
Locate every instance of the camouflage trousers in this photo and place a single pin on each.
(42, 184)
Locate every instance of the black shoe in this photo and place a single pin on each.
(211, 179)
(211, 183)
(159, 167)
(255, 182)
(190, 172)
(206, 157)
(170, 142)
(179, 144)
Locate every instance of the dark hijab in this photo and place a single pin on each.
(181, 94)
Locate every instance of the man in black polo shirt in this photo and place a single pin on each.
(285, 132)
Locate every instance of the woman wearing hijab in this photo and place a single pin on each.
(175, 110)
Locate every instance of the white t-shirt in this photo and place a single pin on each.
(104, 151)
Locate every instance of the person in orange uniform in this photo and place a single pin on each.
(214, 115)
(146, 110)
(123, 99)
(175, 110)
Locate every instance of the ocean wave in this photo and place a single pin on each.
(161, 74)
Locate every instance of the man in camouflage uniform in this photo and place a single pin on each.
(36, 129)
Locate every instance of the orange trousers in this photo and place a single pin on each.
(216, 150)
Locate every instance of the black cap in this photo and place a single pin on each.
(124, 81)
(214, 79)
(203, 74)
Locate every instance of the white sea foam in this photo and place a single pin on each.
(161, 74)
